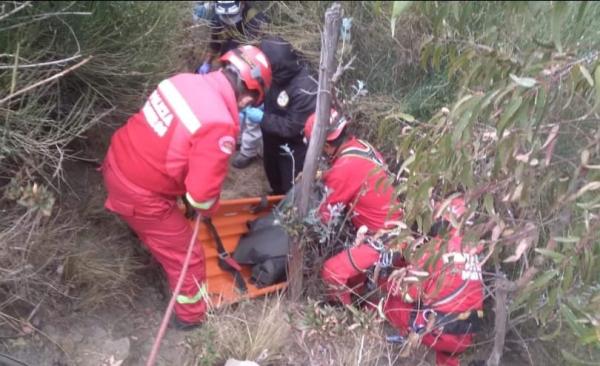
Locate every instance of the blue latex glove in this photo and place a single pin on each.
(204, 69)
(254, 115)
(242, 116)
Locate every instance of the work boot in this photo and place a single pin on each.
(178, 324)
(241, 161)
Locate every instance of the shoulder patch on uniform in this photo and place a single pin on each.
(283, 99)
(227, 144)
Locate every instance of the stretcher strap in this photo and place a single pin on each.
(261, 206)
(226, 262)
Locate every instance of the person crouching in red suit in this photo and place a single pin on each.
(179, 143)
(438, 298)
(355, 179)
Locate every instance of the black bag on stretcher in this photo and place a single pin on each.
(265, 247)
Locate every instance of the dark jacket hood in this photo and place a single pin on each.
(285, 61)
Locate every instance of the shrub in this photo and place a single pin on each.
(68, 66)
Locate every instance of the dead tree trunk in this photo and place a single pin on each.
(503, 287)
(506, 288)
(329, 42)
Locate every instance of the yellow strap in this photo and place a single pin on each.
(205, 205)
(201, 294)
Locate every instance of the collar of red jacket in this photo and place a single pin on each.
(351, 142)
(219, 82)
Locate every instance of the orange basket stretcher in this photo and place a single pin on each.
(230, 222)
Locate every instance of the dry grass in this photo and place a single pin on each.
(52, 251)
(273, 331)
(63, 258)
(98, 275)
(256, 330)
(388, 66)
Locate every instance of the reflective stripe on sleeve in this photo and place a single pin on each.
(179, 106)
(205, 205)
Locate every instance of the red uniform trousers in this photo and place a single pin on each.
(165, 231)
(447, 347)
(344, 275)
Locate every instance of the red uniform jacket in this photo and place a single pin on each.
(181, 139)
(454, 284)
(358, 177)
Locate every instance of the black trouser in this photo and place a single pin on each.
(279, 166)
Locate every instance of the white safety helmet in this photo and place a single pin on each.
(229, 12)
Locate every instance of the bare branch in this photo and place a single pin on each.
(341, 69)
(41, 64)
(15, 10)
(42, 82)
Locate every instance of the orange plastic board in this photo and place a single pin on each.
(230, 221)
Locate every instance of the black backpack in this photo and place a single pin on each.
(265, 247)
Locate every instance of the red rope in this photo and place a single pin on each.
(167, 316)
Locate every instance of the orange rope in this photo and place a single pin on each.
(167, 316)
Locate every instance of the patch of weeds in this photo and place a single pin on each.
(202, 345)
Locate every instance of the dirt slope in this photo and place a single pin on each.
(120, 332)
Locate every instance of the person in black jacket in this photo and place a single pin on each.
(233, 23)
(288, 103)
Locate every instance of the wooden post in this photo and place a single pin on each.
(329, 41)
(503, 288)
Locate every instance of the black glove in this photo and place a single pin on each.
(190, 211)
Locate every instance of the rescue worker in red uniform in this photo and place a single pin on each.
(179, 143)
(355, 179)
(442, 302)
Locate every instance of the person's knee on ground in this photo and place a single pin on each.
(336, 276)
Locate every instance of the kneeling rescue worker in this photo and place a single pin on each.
(179, 143)
(356, 180)
(440, 303)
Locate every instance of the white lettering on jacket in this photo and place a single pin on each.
(179, 106)
(157, 114)
(471, 268)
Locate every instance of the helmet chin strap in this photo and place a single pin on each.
(238, 80)
(335, 151)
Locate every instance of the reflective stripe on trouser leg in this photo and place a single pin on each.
(202, 294)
